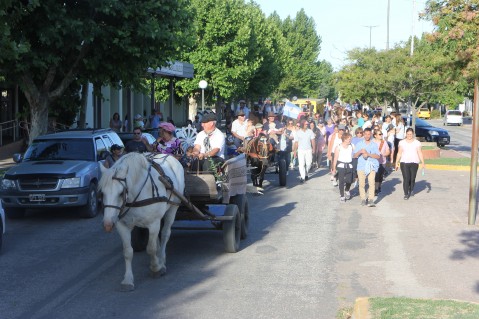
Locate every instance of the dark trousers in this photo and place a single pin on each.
(409, 172)
(345, 177)
(380, 174)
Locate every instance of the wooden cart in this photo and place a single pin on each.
(220, 201)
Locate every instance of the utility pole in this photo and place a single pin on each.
(412, 31)
(387, 39)
(413, 120)
(370, 29)
(474, 156)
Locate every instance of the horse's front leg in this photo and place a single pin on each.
(261, 174)
(152, 248)
(168, 220)
(125, 233)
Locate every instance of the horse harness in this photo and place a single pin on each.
(260, 150)
(155, 196)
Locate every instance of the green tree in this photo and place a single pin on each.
(326, 81)
(455, 36)
(47, 45)
(272, 52)
(376, 77)
(457, 27)
(303, 74)
(223, 51)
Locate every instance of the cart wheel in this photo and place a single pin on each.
(232, 229)
(139, 238)
(242, 202)
(282, 172)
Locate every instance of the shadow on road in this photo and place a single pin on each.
(470, 240)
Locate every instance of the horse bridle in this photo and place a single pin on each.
(154, 199)
(261, 149)
(124, 195)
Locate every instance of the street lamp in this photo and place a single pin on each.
(153, 73)
(203, 85)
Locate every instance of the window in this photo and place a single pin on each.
(60, 149)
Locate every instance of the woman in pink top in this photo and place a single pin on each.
(408, 158)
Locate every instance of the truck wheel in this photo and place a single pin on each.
(282, 172)
(232, 229)
(90, 210)
(14, 213)
(139, 238)
(242, 202)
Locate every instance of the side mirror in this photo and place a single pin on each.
(17, 157)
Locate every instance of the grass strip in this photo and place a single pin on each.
(461, 161)
(401, 308)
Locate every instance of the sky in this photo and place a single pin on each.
(343, 24)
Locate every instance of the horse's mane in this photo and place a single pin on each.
(130, 166)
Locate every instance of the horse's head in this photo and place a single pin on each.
(117, 185)
(257, 147)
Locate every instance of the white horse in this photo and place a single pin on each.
(133, 196)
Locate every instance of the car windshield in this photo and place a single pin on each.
(420, 122)
(454, 113)
(60, 149)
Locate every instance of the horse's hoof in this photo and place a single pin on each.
(126, 288)
(158, 274)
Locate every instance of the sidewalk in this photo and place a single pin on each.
(419, 248)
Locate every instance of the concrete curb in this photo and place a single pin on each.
(448, 167)
(361, 308)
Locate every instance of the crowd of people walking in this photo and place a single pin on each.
(360, 148)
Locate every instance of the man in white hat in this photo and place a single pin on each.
(238, 129)
(209, 143)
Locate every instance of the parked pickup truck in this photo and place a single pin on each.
(59, 170)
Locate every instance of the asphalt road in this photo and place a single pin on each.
(461, 136)
(56, 265)
(300, 261)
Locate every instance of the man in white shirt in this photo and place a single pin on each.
(238, 129)
(209, 143)
(304, 144)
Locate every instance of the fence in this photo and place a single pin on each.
(9, 131)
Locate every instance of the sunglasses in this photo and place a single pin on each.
(137, 133)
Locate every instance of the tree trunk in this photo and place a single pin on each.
(84, 96)
(39, 116)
